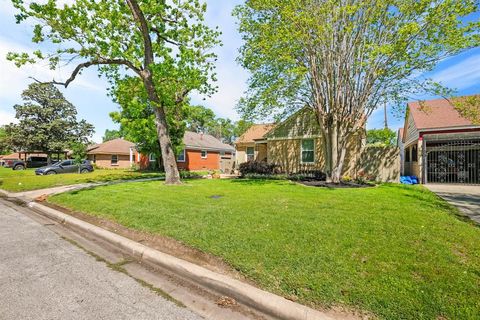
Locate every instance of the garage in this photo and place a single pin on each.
(455, 161)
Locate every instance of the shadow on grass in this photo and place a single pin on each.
(257, 182)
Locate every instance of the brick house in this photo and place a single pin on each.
(116, 153)
(440, 146)
(205, 152)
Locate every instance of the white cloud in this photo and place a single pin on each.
(6, 117)
(462, 75)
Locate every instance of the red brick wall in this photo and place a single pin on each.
(194, 161)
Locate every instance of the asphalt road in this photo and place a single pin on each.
(43, 276)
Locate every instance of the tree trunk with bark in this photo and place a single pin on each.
(172, 176)
(334, 151)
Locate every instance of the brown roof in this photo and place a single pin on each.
(438, 113)
(255, 132)
(115, 146)
(22, 155)
(194, 140)
(10, 156)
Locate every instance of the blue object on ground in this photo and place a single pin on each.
(408, 180)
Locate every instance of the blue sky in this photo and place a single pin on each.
(88, 93)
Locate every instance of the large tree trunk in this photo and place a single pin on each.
(172, 176)
(334, 150)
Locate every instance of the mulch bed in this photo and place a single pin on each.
(324, 184)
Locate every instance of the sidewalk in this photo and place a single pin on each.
(34, 194)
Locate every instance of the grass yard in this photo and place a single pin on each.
(396, 251)
(24, 180)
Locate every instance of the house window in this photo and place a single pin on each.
(250, 153)
(414, 153)
(181, 156)
(407, 154)
(94, 158)
(308, 151)
(151, 157)
(114, 160)
(204, 154)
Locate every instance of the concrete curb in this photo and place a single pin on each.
(253, 297)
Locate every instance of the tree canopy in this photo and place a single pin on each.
(111, 134)
(468, 107)
(5, 147)
(345, 58)
(382, 137)
(165, 44)
(47, 122)
(136, 117)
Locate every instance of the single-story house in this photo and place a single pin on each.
(440, 145)
(295, 145)
(249, 145)
(205, 152)
(116, 153)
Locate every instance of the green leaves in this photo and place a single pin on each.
(47, 121)
(382, 137)
(300, 52)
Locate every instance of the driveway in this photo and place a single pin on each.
(464, 197)
(42, 276)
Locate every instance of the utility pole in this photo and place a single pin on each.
(385, 114)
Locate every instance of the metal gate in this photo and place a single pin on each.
(453, 162)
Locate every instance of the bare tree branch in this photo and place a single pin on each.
(84, 65)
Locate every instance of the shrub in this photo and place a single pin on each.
(190, 174)
(313, 175)
(265, 176)
(257, 167)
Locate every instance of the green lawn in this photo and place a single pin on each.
(23, 180)
(396, 251)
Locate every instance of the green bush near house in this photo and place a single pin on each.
(396, 251)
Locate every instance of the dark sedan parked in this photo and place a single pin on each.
(65, 166)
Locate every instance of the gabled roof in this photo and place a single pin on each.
(194, 140)
(255, 132)
(438, 113)
(115, 146)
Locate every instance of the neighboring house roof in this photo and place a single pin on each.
(22, 153)
(10, 156)
(255, 132)
(115, 146)
(194, 140)
(438, 113)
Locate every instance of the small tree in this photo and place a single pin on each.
(165, 44)
(384, 137)
(344, 58)
(137, 118)
(5, 147)
(47, 122)
(79, 153)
